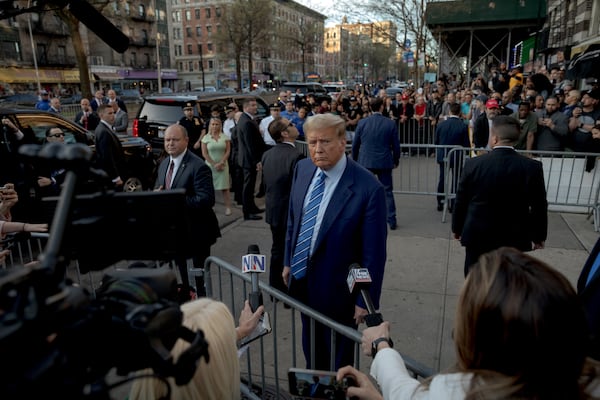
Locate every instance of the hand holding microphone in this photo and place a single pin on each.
(254, 263)
(359, 279)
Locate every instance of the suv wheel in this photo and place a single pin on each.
(132, 184)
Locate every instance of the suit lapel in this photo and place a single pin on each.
(343, 193)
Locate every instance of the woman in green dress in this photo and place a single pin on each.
(216, 147)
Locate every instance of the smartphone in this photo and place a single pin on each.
(315, 384)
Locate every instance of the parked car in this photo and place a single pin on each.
(305, 88)
(19, 99)
(139, 161)
(130, 95)
(158, 112)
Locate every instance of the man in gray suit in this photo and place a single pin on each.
(278, 165)
(377, 148)
(121, 119)
(185, 170)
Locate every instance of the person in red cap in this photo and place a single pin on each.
(483, 123)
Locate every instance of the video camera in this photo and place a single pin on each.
(55, 338)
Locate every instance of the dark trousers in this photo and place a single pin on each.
(385, 177)
(237, 182)
(277, 253)
(249, 206)
(453, 182)
(344, 347)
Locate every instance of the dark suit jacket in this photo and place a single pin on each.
(92, 122)
(251, 145)
(501, 201)
(195, 177)
(590, 297)
(353, 230)
(452, 131)
(481, 131)
(278, 165)
(375, 144)
(109, 152)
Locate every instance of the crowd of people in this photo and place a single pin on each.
(521, 330)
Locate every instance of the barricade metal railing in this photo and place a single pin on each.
(269, 358)
(25, 248)
(572, 179)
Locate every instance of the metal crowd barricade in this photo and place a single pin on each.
(572, 179)
(24, 248)
(265, 371)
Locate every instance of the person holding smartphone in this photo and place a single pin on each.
(520, 332)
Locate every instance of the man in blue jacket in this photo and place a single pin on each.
(377, 148)
(451, 132)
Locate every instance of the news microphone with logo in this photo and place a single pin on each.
(254, 263)
(360, 279)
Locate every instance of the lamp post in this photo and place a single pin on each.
(35, 65)
(158, 71)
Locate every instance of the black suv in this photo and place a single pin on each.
(140, 164)
(159, 111)
(305, 88)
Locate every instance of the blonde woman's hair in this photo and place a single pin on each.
(220, 378)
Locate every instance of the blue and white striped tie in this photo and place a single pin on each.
(300, 256)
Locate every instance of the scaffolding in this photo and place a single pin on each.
(472, 34)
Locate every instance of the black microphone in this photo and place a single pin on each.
(360, 279)
(254, 263)
(97, 23)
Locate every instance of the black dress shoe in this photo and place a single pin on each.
(393, 226)
(257, 210)
(440, 207)
(252, 217)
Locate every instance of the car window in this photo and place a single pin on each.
(38, 124)
(165, 112)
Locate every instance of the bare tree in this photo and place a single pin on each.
(409, 15)
(246, 26)
(306, 37)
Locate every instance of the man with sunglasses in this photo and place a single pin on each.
(49, 181)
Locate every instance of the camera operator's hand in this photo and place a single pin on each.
(3, 255)
(364, 388)
(248, 320)
(8, 198)
(373, 333)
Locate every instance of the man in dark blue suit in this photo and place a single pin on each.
(451, 132)
(501, 198)
(588, 288)
(377, 148)
(348, 226)
(185, 170)
(278, 165)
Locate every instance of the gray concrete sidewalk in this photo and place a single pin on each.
(424, 270)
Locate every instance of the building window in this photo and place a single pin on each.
(218, 12)
(208, 13)
(142, 11)
(190, 65)
(188, 15)
(199, 48)
(218, 28)
(198, 31)
(133, 59)
(177, 16)
(62, 54)
(181, 66)
(209, 31)
(209, 47)
(127, 8)
(197, 13)
(210, 65)
(188, 31)
(147, 57)
(189, 49)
